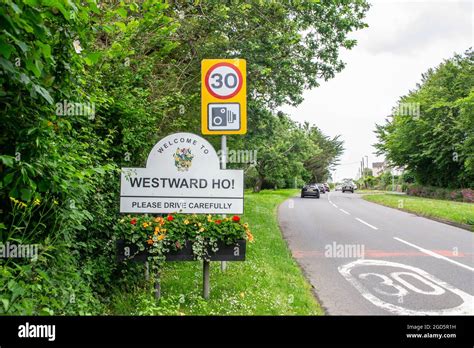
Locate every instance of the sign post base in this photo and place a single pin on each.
(205, 278)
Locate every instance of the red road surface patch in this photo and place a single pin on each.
(300, 254)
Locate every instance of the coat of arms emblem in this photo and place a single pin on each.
(183, 159)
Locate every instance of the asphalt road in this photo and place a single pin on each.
(364, 258)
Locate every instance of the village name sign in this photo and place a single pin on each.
(182, 175)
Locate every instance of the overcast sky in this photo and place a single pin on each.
(403, 40)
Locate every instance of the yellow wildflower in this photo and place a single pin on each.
(186, 222)
(201, 229)
(36, 201)
(249, 236)
(55, 202)
(161, 237)
(145, 225)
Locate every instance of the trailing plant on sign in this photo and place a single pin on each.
(161, 235)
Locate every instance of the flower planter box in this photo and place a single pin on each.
(232, 252)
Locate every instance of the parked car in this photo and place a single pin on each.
(347, 186)
(310, 190)
(322, 189)
(326, 186)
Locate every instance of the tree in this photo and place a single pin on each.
(321, 163)
(282, 146)
(437, 143)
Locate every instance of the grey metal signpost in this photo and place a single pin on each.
(205, 277)
(223, 166)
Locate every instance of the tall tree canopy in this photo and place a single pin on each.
(436, 143)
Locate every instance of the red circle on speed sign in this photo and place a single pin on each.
(223, 80)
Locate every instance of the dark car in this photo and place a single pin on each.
(310, 190)
(348, 186)
(326, 186)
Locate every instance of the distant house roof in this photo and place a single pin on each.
(378, 164)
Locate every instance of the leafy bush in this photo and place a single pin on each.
(54, 284)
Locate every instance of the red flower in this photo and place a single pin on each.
(170, 218)
(133, 221)
(235, 218)
(218, 222)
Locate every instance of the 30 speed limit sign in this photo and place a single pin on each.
(223, 96)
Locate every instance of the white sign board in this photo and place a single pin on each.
(182, 174)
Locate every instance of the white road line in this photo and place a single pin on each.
(438, 256)
(345, 212)
(365, 223)
(329, 199)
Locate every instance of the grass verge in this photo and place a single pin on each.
(458, 213)
(369, 192)
(269, 282)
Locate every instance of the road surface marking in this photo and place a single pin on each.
(436, 289)
(345, 212)
(365, 223)
(438, 256)
(369, 291)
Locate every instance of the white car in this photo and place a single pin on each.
(348, 186)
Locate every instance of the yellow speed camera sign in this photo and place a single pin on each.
(223, 96)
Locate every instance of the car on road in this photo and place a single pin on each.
(310, 190)
(322, 189)
(338, 188)
(348, 186)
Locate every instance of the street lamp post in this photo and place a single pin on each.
(367, 166)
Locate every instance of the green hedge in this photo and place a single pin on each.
(460, 195)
